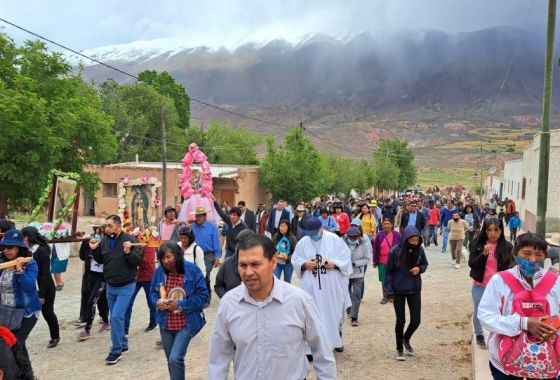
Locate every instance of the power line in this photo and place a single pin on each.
(137, 78)
(128, 134)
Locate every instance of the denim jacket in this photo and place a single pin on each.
(192, 306)
(25, 288)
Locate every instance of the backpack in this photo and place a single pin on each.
(523, 355)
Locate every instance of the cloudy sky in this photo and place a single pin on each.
(89, 24)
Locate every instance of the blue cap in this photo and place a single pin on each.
(311, 227)
(356, 222)
(13, 238)
(353, 232)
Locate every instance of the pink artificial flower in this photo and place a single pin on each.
(126, 179)
(145, 179)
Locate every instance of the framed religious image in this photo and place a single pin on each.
(63, 203)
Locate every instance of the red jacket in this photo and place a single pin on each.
(148, 265)
(434, 216)
(343, 222)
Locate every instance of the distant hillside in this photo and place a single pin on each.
(431, 88)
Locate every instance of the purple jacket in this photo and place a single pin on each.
(377, 244)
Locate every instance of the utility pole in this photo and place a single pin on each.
(163, 161)
(481, 176)
(544, 150)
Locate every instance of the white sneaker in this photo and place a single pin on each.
(457, 266)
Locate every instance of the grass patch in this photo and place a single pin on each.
(442, 177)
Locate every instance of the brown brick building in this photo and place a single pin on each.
(231, 183)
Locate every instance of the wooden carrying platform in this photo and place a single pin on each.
(12, 263)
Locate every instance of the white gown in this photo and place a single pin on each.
(333, 298)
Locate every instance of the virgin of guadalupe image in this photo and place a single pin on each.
(139, 207)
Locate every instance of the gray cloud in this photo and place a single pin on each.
(87, 24)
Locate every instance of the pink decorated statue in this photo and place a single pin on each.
(196, 185)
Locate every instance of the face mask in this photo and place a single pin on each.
(316, 237)
(352, 243)
(97, 237)
(528, 268)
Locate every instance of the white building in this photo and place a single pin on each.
(520, 183)
(513, 178)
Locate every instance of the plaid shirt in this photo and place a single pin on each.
(175, 321)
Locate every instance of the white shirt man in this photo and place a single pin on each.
(265, 325)
(328, 286)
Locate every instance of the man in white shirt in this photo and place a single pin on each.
(265, 325)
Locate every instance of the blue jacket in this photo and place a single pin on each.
(446, 215)
(398, 279)
(25, 288)
(514, 222)
(272, 217)
(194, 286)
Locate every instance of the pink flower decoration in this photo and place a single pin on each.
(145, 179)
(157, 202)
(126, 179)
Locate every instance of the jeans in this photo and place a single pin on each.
(355, 286)
(175, 345)
(414, 307)
(119, 298)
(444, 239)
(229, 252)
(288, 269)
(512, 234)
(146, 286)
(432, 234)
(476, 292)
(47, 310)
(456, 250)
(209, 263)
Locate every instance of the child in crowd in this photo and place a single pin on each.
(513, 308)
(514, 225)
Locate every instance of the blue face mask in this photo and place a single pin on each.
(528, 268)
(316, 237)
(352, 243)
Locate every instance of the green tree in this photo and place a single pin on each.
(137, 111)
(293, 170)
(394, 159)
(50, 119)
(343, 174)
(165, 84)
(223, 144)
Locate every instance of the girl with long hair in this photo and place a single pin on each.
(489, 253)
(47, 291)
(285, 243)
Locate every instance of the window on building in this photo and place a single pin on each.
(110, 190)
(523, 188)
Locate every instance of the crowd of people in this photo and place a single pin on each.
(329, 244)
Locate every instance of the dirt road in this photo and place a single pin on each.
(442, 341)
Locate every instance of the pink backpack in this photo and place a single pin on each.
(523, 355)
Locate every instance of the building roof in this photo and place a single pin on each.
(218, 171)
